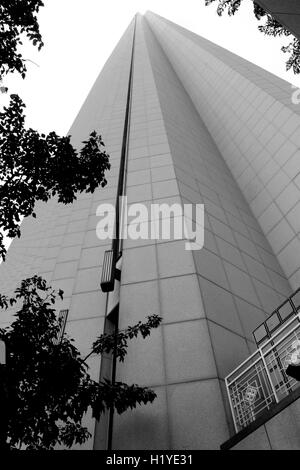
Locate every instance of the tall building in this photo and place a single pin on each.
(286, 13)
(204, 127)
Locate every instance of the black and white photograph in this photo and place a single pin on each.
(149, 229)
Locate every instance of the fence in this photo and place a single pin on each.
(261, 380)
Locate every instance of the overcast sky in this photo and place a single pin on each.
(79, 36)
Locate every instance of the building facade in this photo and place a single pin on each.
(205, 127)
(286, 13)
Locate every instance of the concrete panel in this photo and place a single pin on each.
(181, 299)
(145, 427)
(189, 354)
(284, 429)
(197, 416)
(258, 440)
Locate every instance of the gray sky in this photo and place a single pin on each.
(79, 36)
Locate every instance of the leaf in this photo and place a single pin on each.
(49, 388)
(38, 167)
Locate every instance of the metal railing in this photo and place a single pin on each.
(261, 380)
(286, 310)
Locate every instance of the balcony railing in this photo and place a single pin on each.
(261, 380)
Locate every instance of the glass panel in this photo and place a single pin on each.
(296, 299)
(260, 333)
(272, 322)
(285, 311)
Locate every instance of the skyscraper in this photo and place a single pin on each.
(203, 126)
(287, 13)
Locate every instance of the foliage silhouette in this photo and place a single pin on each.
(17, 19)
(47, 385)
(271, 28)
(35, 167)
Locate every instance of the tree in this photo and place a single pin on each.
(35, 167)
(271, 28)
(17, 19)
(47, 385)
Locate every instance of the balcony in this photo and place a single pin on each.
(261, 382)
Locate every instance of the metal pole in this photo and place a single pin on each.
(117, 242)
(268, 375)
(231, 405)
